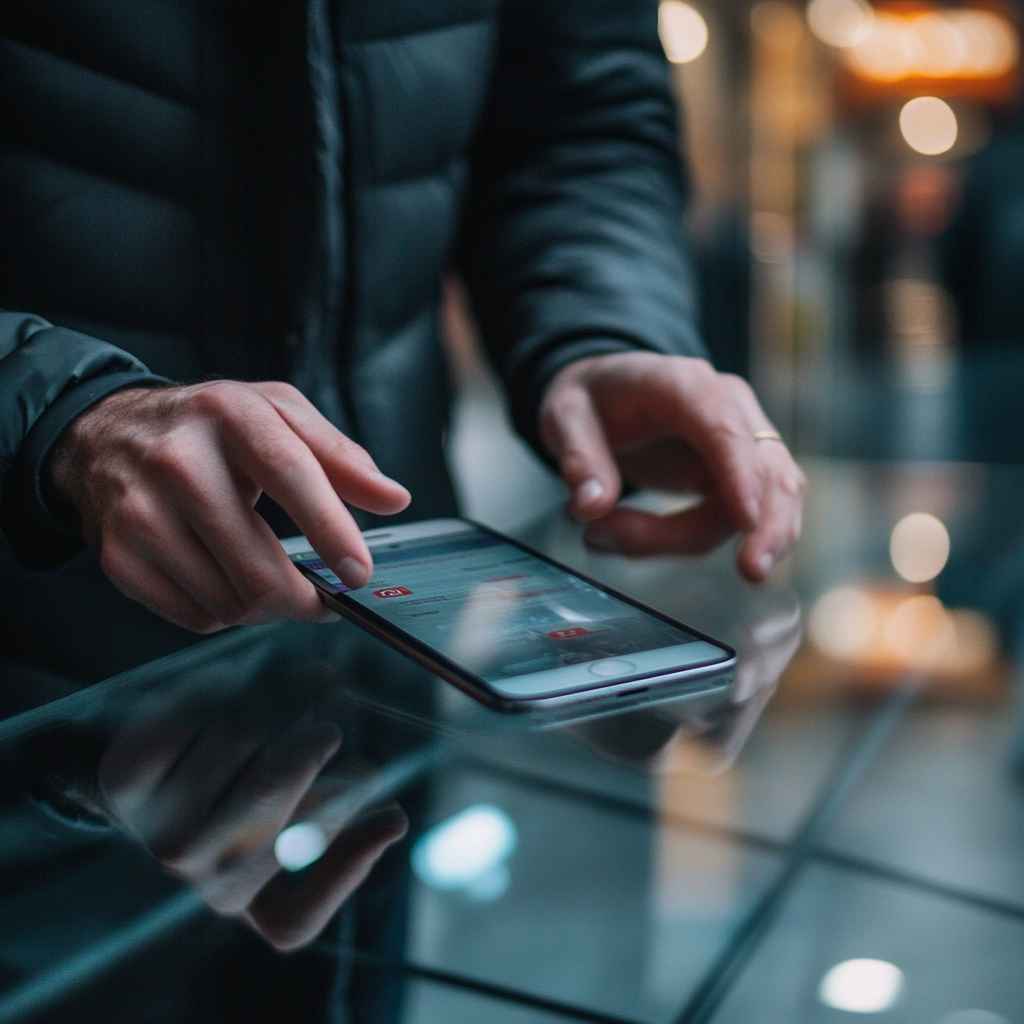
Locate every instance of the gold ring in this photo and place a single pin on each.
(768, 435)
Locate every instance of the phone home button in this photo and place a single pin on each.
(611, 667)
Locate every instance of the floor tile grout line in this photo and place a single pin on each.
(848, 771)
(849, 862)
(898, 876)
(624, 806)
(496, 991)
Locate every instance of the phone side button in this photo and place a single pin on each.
(611, 667)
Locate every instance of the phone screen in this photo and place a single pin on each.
(523, 625)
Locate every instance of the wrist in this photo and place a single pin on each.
(67, 465)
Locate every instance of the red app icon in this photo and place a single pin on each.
(568, 634)
(392, 592)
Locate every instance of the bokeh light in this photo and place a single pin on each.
(840, 23)
(919, 547)
(975, 642)
(683, 31)
(958, 43)
(468, 852)
(928, 125)
(862, 986)
(888, 52)
(844, 623)
(991, 46)
(300, 845)
(920, 632)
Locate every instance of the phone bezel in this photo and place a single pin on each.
(478, 687)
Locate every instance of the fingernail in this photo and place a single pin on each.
(765, 563)
(589, 491)
(601, 538)
(353, 573)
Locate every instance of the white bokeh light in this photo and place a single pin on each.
(840, 23)
(928, 125)
(299, 845)
(919, 547)
(844, 623)
(861, 986)
(468, 852)
(683, 31)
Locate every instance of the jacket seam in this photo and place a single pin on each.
(37, 152)
(179, 101)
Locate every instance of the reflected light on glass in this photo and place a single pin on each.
(976, 642)
(861, 986)
(919, 547)
(299, 845)
(844, 623)
(840, 23)
(920, 631)
(467, 852)
(683, 31)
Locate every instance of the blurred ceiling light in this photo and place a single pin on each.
(844, 623)
(990, 42)
(888, 52)
(920, 632)
(943, 45)
(928, 125)
(840, 23)
(958, 43)
(919, 547)
(861, 986)
(683, 31)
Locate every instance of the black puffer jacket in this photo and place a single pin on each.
(193, 189)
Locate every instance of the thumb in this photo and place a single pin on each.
(572, 433)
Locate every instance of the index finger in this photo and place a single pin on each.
(280, 463)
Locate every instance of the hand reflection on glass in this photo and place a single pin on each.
(208, 794)
(652, 738)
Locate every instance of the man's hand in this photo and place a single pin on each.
(671, 423)
(165, 483)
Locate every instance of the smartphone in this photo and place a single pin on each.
(508, 625)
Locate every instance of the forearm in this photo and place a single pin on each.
(48, 376)
(572, 242)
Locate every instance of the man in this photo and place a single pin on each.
(197, 191)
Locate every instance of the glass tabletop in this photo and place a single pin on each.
(296, 819)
